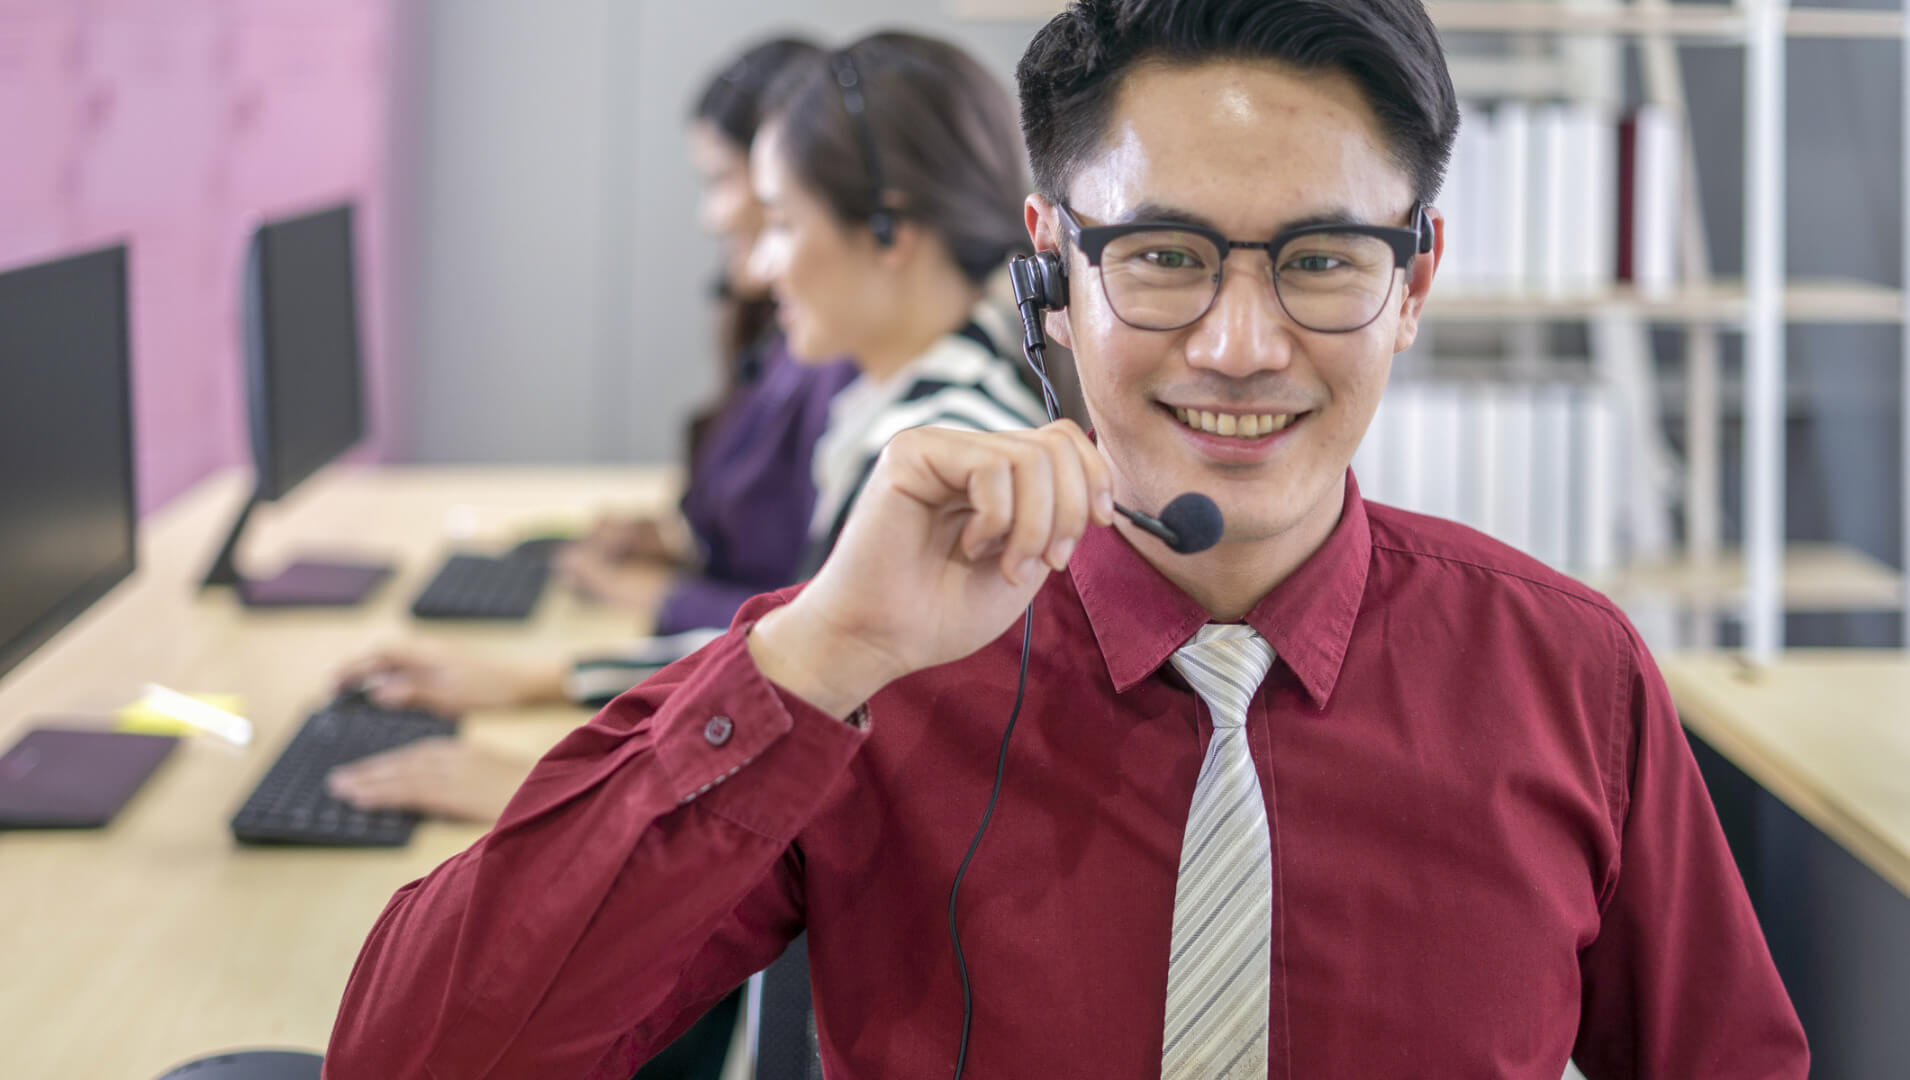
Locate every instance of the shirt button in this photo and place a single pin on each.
(717, 731)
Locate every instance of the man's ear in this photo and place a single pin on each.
(1419, 279)
(1044, 231)
(1044, 224)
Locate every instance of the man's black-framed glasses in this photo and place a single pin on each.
(1331, 278)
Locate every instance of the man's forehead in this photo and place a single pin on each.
(1249, 145)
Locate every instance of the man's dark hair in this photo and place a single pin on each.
(943, 129)
(1073, 69)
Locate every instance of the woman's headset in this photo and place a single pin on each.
(849, 82)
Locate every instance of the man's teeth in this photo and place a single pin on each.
(1250, 426)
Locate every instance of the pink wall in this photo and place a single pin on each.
(175, 126)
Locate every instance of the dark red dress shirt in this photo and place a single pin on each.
(1492, 849)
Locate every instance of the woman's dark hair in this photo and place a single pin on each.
(737, 97)
(943, 131)
(1074, 66)
(734, 103)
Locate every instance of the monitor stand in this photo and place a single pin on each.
(304, 583)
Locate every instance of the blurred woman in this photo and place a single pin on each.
(746, 505)
(891, 181)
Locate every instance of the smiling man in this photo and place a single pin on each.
(1352, 793)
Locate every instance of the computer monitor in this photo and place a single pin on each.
(305, 392)
(67, 514)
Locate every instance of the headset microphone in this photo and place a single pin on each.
(1190, 523)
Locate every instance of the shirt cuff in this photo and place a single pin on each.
(734, 719)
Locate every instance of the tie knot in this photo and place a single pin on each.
(1225, 664)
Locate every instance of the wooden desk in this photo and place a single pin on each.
(128, 950)
(1825, 730)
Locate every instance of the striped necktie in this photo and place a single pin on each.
(1219, 967)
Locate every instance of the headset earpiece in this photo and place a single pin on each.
(1425, 231)
(849, 84)
(1051, 280)
(882, 224)
(1040, 280)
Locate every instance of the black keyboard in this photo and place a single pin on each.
(291, 805)
(484, 587)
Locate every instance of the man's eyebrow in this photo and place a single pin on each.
(1174, 215)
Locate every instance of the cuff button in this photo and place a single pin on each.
(718, 730)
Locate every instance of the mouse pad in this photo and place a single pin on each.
(315, 584)
(59, 778)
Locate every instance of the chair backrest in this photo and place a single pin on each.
(785, 1020)
(250, 1065)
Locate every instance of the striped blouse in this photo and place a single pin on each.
(960, 382)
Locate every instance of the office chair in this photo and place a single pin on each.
(249, 1065)
(785, 1020)
(700, 1052)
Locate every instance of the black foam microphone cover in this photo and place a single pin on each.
(1190, 523)
(1196, 523)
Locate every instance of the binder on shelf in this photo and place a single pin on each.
(1552, 474)
(1553, 205)
(1512, 165)
(1656, 181)
(1367, 459)
(1600, 467)
(1485, 449)
(1440, 425)
(1563, 200)
(1460, 201)
(1409, 450)
(1597, 243)
(1510, 517)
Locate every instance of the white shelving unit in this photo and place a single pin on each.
(1762, 305)
(1769, 576)
(1725, 302)
(1694, 22)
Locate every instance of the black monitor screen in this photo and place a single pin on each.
(302, 345)
(66, 469)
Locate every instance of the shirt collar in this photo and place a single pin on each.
(1139, 617)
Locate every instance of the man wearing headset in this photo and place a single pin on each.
(1350, 793)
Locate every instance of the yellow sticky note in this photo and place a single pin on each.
(146, 717)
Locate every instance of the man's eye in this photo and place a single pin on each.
(1172, 259)
(1313, 264)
